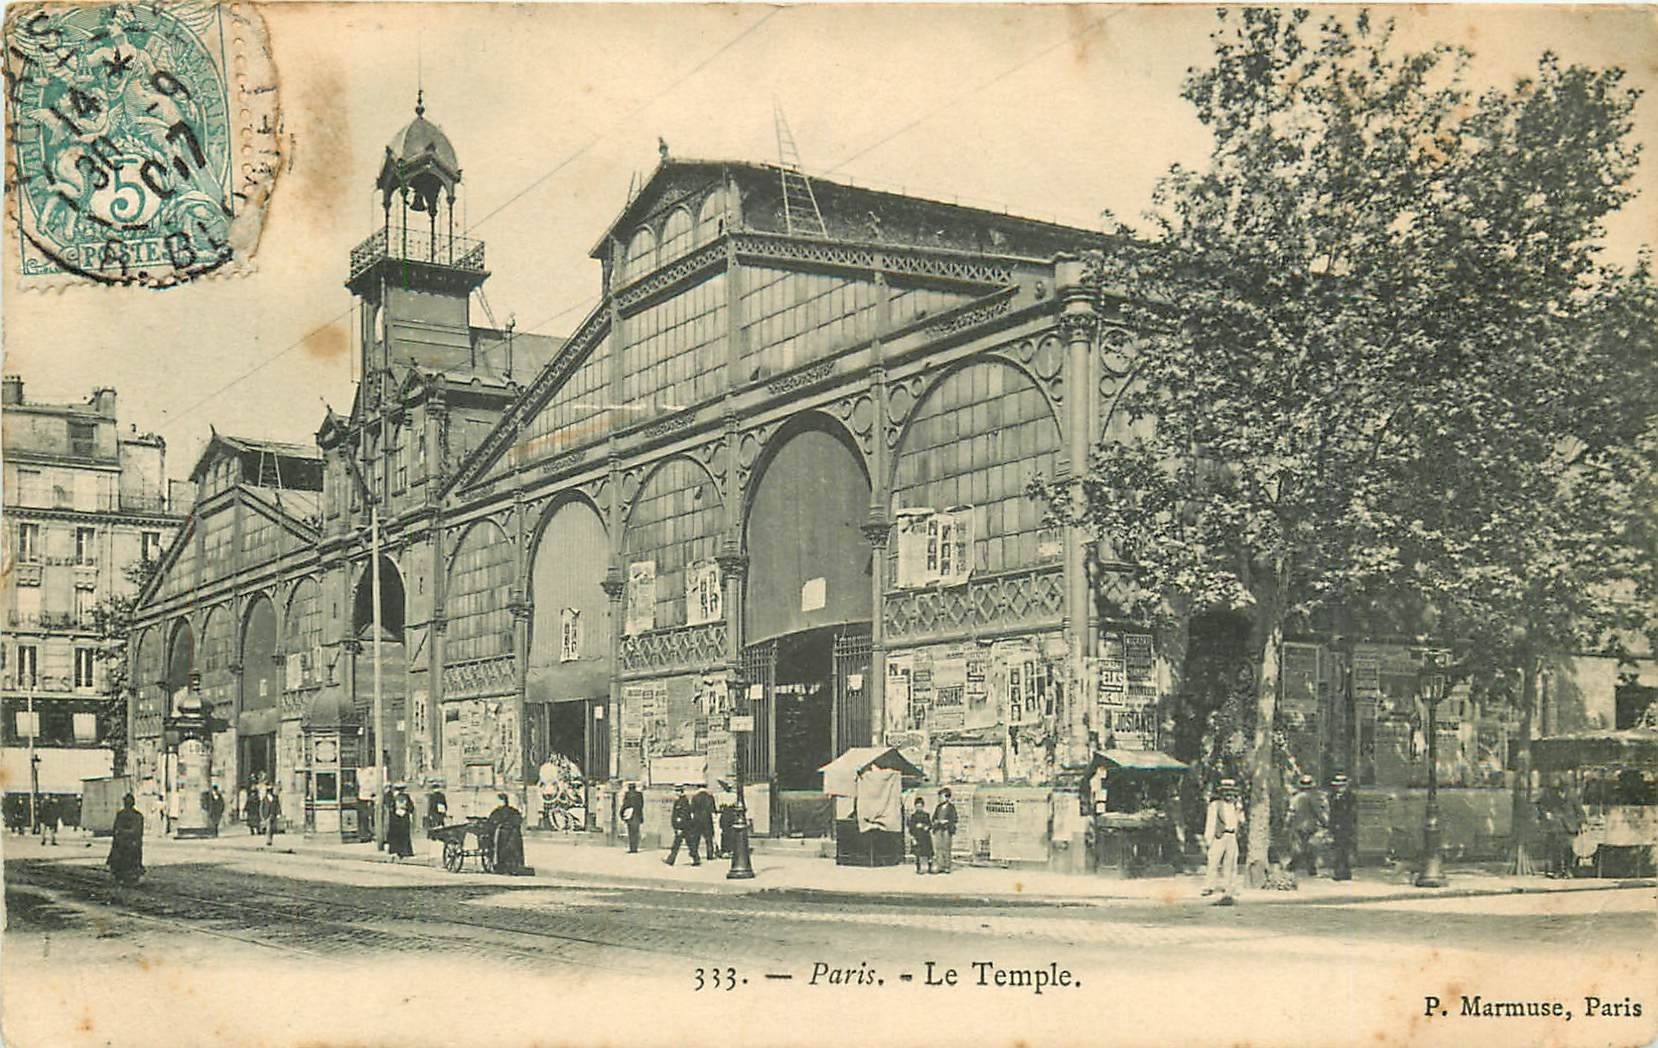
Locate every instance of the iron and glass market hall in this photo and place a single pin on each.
(778, 474)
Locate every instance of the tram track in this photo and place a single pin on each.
(169, 904)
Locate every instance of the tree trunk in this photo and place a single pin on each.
(1269, 633)
(1523, 810)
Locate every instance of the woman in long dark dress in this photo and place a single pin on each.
(506, 826)
(126, 848)
(399, 824)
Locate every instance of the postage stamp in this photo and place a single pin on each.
(143, 142)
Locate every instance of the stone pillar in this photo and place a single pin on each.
(1079, 323)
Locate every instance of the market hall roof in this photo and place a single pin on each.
(860, 213)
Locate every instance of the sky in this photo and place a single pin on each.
(1050, 112)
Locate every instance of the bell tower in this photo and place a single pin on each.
(414, 275)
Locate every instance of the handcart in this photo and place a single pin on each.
(455, 850)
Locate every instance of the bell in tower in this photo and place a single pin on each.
(415, 274)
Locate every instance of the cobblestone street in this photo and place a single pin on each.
(414, 955)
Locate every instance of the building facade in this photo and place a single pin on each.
(777, 480)
(85, 504)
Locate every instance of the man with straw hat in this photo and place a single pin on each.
(1221, 826)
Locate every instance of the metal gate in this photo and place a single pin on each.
(852, 690)
(759, 667)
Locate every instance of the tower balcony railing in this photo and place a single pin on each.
(418, 245)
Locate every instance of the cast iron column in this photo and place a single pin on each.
(1079, 321)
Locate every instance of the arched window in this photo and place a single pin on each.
(976, 439)
(641, 255)
(302, 636)
(480, 577)
(676, 235)
(675, 523)
(714, 218)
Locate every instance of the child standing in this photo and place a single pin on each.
(921, 834)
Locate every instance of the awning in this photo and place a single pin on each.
(61, 769)
(1631, 747)
(1138, 760)
(840, 776)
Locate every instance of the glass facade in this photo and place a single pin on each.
(303, 633)
(676, 521)
(977, 439)
(792, 318)
(480, 576)
(676, 236)
(578, 413)
(675, 350)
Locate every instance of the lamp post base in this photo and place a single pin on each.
(742, 862)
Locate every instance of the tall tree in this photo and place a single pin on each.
(1367, 237)
(112, 619)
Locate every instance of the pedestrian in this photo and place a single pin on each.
(684, 824)
(126, 846)
(215, 808)
(728, 829)
(1221, 825)
(437, 806)
(702, 808)
(507, 836)
(1568, 823)
(944, 830)
(252, 807)
(1344, 826)
(47, 813)
(271, 813)
(1308, 815)
(921, 835)
(400, 824)
(633, 815)
(239, 812)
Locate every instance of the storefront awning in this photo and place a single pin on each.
(1138, 760)
(1631, 747)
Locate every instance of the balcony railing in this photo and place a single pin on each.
(51, 496)
(414, 245)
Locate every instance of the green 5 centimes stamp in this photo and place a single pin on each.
(142, 141)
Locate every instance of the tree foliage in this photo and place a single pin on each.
(112, 620)
(1386, 370)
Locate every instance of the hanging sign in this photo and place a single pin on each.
(742, 722)
(569, 635)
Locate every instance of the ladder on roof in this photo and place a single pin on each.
(800, 210)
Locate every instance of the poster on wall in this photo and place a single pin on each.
(898, 694)
(1139, 668)
(921, 691)
(970, 763)
(569, 635)
(949, 709)
(1112, 670)
(983, 711)
(641, 598)
(703, 603)
(912, 534)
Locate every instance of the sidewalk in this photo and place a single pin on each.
(788, 873)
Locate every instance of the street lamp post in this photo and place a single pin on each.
(34, 764)
(742, 862)
(1433, 869)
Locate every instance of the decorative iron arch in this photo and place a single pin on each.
(650, 473)
(549, 509)
(791, 427)
(931, 389)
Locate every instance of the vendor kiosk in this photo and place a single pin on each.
(867, 784)
(1133, 798)
(1616, 775)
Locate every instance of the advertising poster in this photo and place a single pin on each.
(898, 695)
(641, 598)
(982, 709)
(949, 712)
(703, 603)
(921, 690)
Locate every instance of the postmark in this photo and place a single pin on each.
(143, 143)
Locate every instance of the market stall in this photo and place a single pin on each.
(867, 784)
(1134, 798)
(1616, 775)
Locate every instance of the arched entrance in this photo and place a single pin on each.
(257, 701)
(806, 614)
(393, 664)
(567, 687)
